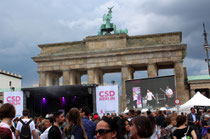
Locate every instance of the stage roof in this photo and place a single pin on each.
(61, 90)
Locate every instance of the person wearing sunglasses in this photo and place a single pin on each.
(106, 129)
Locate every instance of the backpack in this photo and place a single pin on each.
(25, 132)
(5, 133)
(166, 133)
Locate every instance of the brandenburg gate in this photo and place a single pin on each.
(109, 53)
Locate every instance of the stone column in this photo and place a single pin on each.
(152, 70)
(66, 77)
(179, 81)
(91, 76)
(52, 78)
(75, 77)
(126, 74)
(78, 77)
(48, 79)
(95, 76)
(42, 79)
(192, 93)
(99, 76)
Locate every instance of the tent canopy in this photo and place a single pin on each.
(197, 100)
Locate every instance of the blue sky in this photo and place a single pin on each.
(26, 23)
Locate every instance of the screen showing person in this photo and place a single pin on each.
(149, 98)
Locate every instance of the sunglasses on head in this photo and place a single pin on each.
(102, 131)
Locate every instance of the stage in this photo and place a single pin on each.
(44, 100)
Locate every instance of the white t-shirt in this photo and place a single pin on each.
(44, 135)
(32, 126)
(134, 97)
(149, 96)
(169, 91)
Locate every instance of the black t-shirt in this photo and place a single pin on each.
(54, 133)
(179, 133)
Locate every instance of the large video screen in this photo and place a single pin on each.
(151, 92)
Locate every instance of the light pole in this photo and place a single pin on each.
(206, 46)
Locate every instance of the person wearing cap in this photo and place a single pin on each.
(96, 119)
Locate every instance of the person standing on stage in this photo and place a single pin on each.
(149, 98)
(169, 94)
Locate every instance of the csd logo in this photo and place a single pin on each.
(106, 93)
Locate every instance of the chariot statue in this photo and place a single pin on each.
(109, 27)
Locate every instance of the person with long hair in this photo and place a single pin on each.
(123, 128)
(156, 133)
(74, 127)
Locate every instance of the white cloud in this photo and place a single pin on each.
(196, 66)
(82, 24)
(25, 24)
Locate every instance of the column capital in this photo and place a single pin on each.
(192, 90)
(125, 66)
(151, 63)
(41, 71)
(178, 61)
(66, 70)
(91, 68)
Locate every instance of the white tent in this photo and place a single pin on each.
(197, 100)
(163, 109)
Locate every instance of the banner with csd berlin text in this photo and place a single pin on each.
(15, 98)
(107, 99)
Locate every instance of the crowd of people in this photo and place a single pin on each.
(81, 124)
